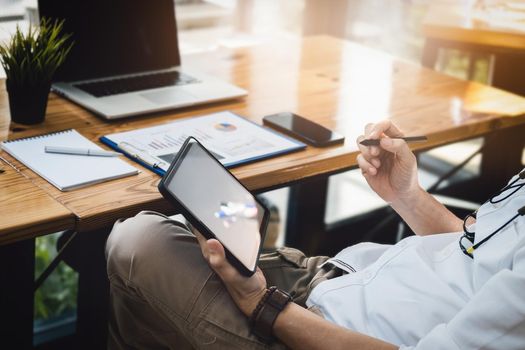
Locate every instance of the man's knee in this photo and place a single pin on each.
(157, 260)
(138, 240)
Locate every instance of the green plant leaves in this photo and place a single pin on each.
(33, 58)
(58, 294)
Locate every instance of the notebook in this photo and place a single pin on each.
(66, 171)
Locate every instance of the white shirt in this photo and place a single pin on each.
(424, 293)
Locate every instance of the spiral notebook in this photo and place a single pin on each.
(66, 171)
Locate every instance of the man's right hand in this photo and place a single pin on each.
(390, 169)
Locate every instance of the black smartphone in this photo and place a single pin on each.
(303, 129)
(216, 204)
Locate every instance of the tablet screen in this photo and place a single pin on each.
(213, 196)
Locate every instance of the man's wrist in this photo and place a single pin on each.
(248, 305)
(266, 312)
(408, 201)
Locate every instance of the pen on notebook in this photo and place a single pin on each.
(375, 142)
(81, 151)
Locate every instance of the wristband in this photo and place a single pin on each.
(264, 315)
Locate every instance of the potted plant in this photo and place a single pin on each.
(29, 61)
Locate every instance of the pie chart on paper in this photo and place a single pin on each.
(225, 126)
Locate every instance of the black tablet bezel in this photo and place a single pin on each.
(198, 224)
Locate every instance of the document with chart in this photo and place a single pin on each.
(232, 139)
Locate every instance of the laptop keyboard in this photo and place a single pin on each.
(131, 84)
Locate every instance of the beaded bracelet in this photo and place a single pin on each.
(259, 306)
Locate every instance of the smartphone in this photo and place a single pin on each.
(303, 129)
(216, 204)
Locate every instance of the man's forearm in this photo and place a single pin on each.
(425, 215)
(299, 328)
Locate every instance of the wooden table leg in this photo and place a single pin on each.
(17, 270)
(305, 225)
(430, 53)
(502, 157)
(508, 73)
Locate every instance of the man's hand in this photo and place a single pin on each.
(245, 291)
(390, 169)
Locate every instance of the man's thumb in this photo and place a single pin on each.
(216, 254)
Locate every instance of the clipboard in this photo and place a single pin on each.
(232, 139)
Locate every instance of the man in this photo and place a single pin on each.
(458, 290)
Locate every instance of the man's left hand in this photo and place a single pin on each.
(245, 291)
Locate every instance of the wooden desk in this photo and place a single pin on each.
(341, 85)
(338, 84)
(25, 212)
(498, 27)
(499, 31)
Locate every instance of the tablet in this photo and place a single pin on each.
(216, 204)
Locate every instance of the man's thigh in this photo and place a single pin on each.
(290, 270)
(156, 267)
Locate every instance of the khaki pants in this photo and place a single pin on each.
(164, 295)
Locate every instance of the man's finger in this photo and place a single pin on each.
(202, 242)
(218, 262)
(217, 256)
(365, 166)
(386, 127)
(368, 128)
(367, 151)
(199, 236)
(397, 146)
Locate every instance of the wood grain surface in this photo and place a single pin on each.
(336, 83)
(26, 210)
(486, 27)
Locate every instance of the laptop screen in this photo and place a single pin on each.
(115, 37)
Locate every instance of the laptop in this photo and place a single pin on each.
(125, 59)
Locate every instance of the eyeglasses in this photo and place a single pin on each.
(470, 235)
(511, 186)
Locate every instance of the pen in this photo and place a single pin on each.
(143, 156)
(81, 151)
(375, 142)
